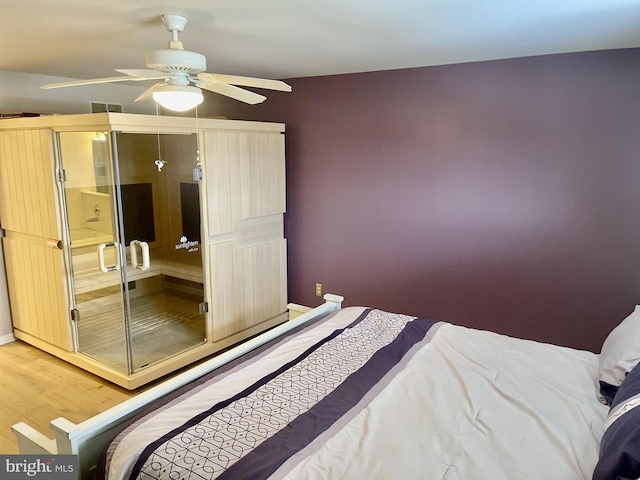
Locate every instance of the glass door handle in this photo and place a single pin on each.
(144, 250)
(104, 268)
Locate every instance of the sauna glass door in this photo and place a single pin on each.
(136, 260)
(160, 232)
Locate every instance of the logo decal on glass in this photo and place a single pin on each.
(188, 245)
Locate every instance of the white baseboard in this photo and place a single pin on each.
(7, 338)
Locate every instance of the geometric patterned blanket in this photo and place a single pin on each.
(254, 433)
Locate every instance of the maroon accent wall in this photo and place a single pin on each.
(502, 195)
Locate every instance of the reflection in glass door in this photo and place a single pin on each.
(136, 259)
(94, 249)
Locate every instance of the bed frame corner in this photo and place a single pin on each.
(32, 442)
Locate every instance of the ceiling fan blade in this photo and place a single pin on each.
(245, 81)
(91, 82)
(234, 92)
(148, 93)
(143, 73)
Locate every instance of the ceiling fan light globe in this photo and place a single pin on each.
(178, 98)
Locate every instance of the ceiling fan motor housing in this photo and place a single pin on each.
(176, 61)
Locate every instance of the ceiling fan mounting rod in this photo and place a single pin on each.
(174, 24)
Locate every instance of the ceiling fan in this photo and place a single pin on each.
(182, 74)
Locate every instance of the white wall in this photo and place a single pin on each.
(21, 92)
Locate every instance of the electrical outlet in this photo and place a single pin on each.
(318, 289)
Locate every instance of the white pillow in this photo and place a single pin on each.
(621, 350)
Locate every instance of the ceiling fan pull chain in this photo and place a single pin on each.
(159, 162)
(197, 171)
(198, 164)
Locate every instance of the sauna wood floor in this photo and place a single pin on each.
(163, 324)
(36, 387)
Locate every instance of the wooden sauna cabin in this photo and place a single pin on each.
(134, 244)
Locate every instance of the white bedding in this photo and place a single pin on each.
(468, 405)
(487, 407)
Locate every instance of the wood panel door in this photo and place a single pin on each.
(244, 187)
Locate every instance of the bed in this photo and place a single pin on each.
(363, 393)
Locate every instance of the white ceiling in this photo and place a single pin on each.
(300, 38)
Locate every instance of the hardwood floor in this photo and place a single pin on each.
(37, 387)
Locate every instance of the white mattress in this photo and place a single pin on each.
(468, 405)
